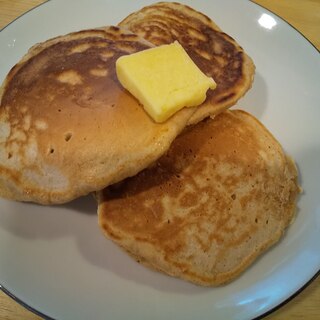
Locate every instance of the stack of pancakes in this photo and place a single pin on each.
(199, 196)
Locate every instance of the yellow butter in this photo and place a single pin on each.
(164, 79)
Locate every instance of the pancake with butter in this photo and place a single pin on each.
(223, 194)
(68, 127)
(216, 54)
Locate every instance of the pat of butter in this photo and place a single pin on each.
(164, 79)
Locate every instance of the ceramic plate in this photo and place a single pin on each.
(55, 259)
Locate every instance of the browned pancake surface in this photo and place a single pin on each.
(68, 127)
(215, 53)
(222, 195)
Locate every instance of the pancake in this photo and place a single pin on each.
(216, 53)
(67, 127)
(223, 194)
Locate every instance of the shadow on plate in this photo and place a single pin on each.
(78, 219)
(255, 100)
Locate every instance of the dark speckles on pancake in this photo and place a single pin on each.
(217, 54)
(198, 39)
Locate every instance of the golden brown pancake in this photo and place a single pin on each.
(216, 53)
(222, 195)
(67, 127)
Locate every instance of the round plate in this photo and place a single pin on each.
(56, 260)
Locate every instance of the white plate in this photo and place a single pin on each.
(55, 259)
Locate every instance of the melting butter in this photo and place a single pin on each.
(164, 79)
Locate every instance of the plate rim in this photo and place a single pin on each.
(24, 13)
(261, 316)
